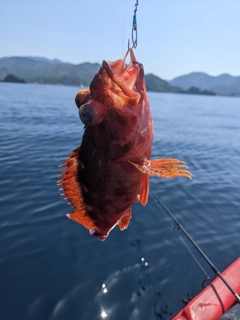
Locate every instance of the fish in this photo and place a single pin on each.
(110, 170)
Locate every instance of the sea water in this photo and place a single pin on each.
(51, 268)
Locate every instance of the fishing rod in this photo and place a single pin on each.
(179, 226)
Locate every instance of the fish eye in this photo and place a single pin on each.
(86, 115)
(91, 114)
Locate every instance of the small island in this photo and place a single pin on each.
(195, 90)
(12, 78)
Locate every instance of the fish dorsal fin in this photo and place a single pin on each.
(164, 168)
(125, 220)
(73, 190)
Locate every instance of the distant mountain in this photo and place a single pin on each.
(42, 70)
(41, 59)
(224, 84)
(154, 83)
(25, 61)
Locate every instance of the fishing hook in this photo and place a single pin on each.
(134, 28)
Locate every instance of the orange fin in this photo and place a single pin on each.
(125, 220)
(144, 190)
(164, 168)
(73, 191)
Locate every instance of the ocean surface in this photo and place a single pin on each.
(52, 269)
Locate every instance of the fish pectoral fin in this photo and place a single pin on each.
(125, 220)
(164, 168)
(73, 191)
(144, 190)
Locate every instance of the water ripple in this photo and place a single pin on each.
(53, 269)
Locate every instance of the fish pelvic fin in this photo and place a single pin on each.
(72, 190)
(163, 168)
(144, 191)
(125, 220)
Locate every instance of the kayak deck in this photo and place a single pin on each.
(215, 299)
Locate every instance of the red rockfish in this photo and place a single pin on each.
(110, 171)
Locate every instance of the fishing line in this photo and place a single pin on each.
(179, 226)
(207, 277)
(124, 26)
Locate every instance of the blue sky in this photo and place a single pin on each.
(175, 37)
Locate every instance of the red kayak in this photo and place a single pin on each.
(215, 299)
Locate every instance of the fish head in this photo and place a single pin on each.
(116, 85)
(125, 80)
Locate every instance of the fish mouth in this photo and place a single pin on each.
(128, 77)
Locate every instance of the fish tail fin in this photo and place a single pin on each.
(73, 191)
(164, 168)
